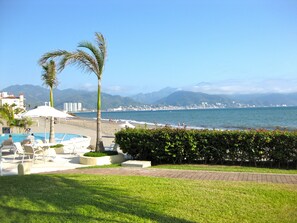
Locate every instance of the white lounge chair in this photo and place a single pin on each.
(29, 151)
(18, 150)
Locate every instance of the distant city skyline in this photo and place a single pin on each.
(214, 46)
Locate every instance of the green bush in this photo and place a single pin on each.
(100, 154)
(177, 146)
(57, 146)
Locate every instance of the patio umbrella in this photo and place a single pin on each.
(127, 125)
(46, 112)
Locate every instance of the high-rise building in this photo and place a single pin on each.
(73, 106)
(66, 107)
(79, 106)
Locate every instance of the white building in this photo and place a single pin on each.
(66, 108)
(10, 99)
(72, 106)
(79, 107)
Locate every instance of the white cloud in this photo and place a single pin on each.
(117, 90)
(246, 86)
(88, 87)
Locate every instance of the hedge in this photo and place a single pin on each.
(179, 146)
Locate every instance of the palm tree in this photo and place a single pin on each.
(49, 78)
(7, 113)
(93, 62)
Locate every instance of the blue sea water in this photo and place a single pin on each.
(235, 118)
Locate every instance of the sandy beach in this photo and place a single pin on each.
(80, 126)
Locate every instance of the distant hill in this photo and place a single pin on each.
(272, 99)
(186, 98)
(151, 98)
(36, 95)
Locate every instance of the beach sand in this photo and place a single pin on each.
(81, 127)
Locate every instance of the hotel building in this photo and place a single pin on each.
(10, 99)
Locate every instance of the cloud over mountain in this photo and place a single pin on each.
(245, 86)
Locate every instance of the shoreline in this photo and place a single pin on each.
(269, 118)
(79, 126)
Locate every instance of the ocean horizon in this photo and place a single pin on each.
(227, 118)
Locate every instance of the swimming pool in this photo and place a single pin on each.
(60, 137)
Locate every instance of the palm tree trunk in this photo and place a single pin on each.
(52, 119)
(51, 97)
(52, 130)
(99, 142)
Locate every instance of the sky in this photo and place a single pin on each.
(212, 46)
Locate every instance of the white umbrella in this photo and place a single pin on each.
(45, 111)
(127, 125)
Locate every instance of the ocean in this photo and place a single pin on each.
(233, 118)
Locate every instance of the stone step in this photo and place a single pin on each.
(137, 163)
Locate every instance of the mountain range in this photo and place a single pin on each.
(37, 95)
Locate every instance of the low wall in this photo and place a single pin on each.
(100, 161)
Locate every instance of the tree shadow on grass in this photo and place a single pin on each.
(73, 198)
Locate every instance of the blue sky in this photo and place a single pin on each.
(211, 46)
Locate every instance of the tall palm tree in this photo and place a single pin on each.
(49, 78)
(93, 62)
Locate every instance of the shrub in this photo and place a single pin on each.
(100, 154)
(253, 147)
(57, 146)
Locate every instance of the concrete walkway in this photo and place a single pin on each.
(189, 174)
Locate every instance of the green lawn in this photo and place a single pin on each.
(226, 168)
(96, 198)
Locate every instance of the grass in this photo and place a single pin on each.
(226, 168)
(97, 198)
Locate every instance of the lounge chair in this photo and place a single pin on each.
(113, 147)
(48, 152)
(18, 149)
(7, 144)
(29, 151)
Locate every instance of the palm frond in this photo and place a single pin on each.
(90, 63)
(49, 76)
(51, 55)
(96, 53)
(65, 60)
(100, 40)
(80, 59)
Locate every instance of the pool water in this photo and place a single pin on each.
(60, 137)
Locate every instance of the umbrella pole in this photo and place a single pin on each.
(45, 129)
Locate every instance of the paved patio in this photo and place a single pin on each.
(61, 162)
(67, 164)
(189, 174)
